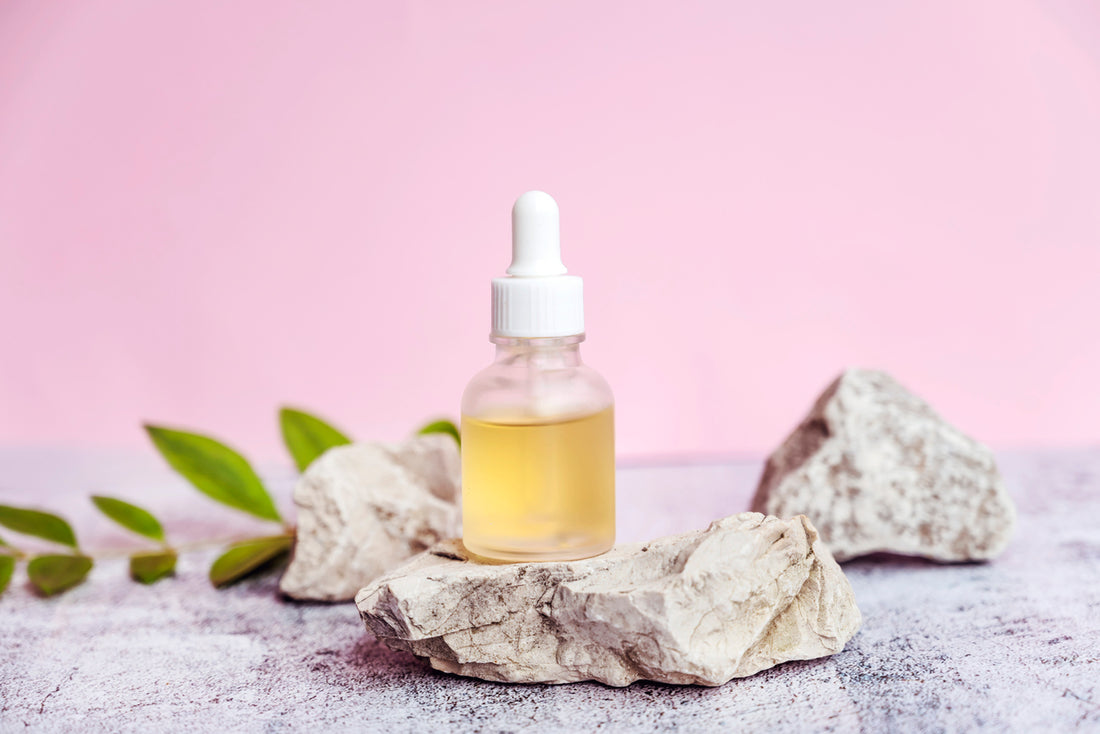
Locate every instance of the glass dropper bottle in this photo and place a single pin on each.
(538, 436)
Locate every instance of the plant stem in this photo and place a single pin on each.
(107, 553)
(213, 543)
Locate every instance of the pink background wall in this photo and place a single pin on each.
(208, 209)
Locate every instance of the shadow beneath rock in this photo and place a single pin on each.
(780, 672)
(372, 658)
(370, 653)
(287, 599)
(896, 560)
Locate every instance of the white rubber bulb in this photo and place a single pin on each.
(536, 237)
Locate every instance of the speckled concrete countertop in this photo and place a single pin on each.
(1013, 644)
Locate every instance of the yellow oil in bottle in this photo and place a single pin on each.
(539, 491)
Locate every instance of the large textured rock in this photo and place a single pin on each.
(747, 593)
(877, 470)
(364, 509)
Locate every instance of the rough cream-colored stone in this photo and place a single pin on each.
(364, 509)
(877, 470)
(747, 593)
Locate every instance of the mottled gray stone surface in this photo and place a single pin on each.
(1009, 645)
(876, 469)
(745, 594)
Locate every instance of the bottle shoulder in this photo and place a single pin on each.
(501, 392)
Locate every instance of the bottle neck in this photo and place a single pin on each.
(556, 352)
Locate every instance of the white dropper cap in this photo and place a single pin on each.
(538, 299)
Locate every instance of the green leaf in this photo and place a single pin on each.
(442, 426)
(54, 574)
(307, 436)
(216, 470)
(7, 567)
(130, 517)
(248, 556)
(148, 568)
(39, 524)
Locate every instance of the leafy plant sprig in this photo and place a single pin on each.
(148, 567)
(307, 436)
(51, 573)
(212, 467)
(442, 426)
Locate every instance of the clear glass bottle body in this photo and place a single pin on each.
(538, 454)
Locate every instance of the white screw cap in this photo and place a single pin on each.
(539, 299)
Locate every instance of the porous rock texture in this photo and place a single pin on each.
(363, 509)
(877, 470)
(747, 593)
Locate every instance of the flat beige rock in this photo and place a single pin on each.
(877, 470)
(747, 593)
(364, 509)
